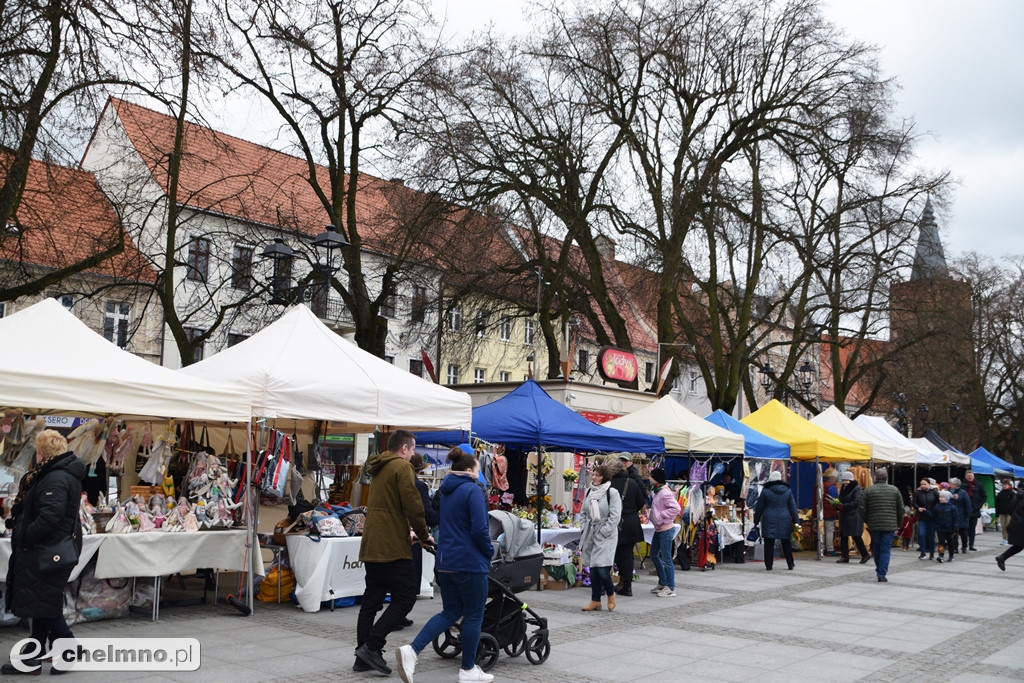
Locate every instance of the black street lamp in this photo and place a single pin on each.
(954, 417)
(767, 378)
(900, 411)
(806, 377)
(282, 255)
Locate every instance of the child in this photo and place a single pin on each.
(906, 530)
(947, 517)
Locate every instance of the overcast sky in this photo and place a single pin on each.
(960, 66)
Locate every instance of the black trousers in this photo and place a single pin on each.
(45, 631)
(948, 539)
(972, 529)
(1011, 551)
(626, 563)
(382, 578)
(962, 531)
(769, 551)
(845, 547)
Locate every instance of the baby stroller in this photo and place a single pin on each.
(515, 567)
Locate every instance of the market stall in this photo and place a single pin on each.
(681, 429)
(51, 363)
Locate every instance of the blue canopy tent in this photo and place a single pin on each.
(984, 455)
(528, 418)
(757, 445)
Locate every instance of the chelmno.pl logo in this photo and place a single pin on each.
(110, 654)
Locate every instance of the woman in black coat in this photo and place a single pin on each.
(1014, 532)
(44, 512)
(630, 532)
(776, 512)
(850, 523)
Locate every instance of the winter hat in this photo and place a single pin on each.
(658, 475)
(944, 486)
(775, 476)
(467, 449)
(847, 476)
(625, 456)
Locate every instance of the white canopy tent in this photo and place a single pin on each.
(298, 368)
(50, 362)
(882, 449)
(682, 430)
(929, 454)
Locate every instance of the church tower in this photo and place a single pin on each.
(931, 324)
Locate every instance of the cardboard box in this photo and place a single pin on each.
(548, 583)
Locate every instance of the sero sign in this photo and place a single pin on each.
(616, 365)
(110, 654)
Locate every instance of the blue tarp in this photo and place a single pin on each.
(527, 418)
(757, 444)
(983, 454)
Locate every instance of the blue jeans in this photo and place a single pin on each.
(881, 542)
(463, 594)
(661, 553)
(601, 583)
(926, 535)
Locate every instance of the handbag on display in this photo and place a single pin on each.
(54, 557)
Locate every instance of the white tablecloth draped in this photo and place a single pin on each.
(90, 546)
(729, 533)
(331, 569)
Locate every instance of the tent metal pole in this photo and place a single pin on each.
(821, 507)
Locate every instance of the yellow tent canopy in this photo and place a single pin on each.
(806, 441)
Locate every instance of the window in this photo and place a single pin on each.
(416, 367)
(235, 339)
(506, 329)
(649, 373)
(193, 334)
(693, 381)
(115, 322)
(198, 265)
(281, 280)
(583, 363)
(528, 336)
(481, 324)
(455, 319)
(453, 374)
(320, 295)
(241, 267)
(390, 359)
(504, 376)
(479, 375)
(3, 309)
(419, 303)
(387, 307)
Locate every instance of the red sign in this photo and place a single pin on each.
(598, 418)
(616, 365)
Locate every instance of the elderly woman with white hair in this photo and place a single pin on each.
(45, 512)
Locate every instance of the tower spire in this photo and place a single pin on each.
(929, 259)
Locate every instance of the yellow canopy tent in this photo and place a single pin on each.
(806, 441)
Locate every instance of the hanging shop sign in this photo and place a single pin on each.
(616, 365)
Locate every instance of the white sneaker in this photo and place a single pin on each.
(666, 592)
(406, 658)
(474, 675)
(658, 588)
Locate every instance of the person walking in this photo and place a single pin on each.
(1004, 508)
(829, 512)
(430, 515)
(599, 517)
(881, 508)
(850, 523)
(976, 492)
(775, 511)
(1015, 532)
(45, 511)
(925, 500)
(664, 510)
(393, 507)
(962, 501)
(947, 519)
(464, 553)
(630, 529)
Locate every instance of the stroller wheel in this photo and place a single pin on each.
(516, 647)
(538, 647)
(487, 652)
(449, 644)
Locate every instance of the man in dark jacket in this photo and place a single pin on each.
(1015, 531)
(976, 492)
(962, 501)
(776, 512)
(925, 500)
(393, 507)
(627, 463)
(630, 529)
(881, 508)
(1004, 508)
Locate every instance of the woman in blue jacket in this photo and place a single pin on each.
(776, 512)
(464, 554)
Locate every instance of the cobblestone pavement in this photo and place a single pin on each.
(820, 622)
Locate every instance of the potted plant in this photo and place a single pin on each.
(569, 478)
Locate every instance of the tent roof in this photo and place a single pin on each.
(981, 465)
(51, 362)
(298, 368)
(806, 441)
(682, 430)
(882, 448)
(877, 425)
(527, 418)
(929, 454)
(995, 461)
(756, 444)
